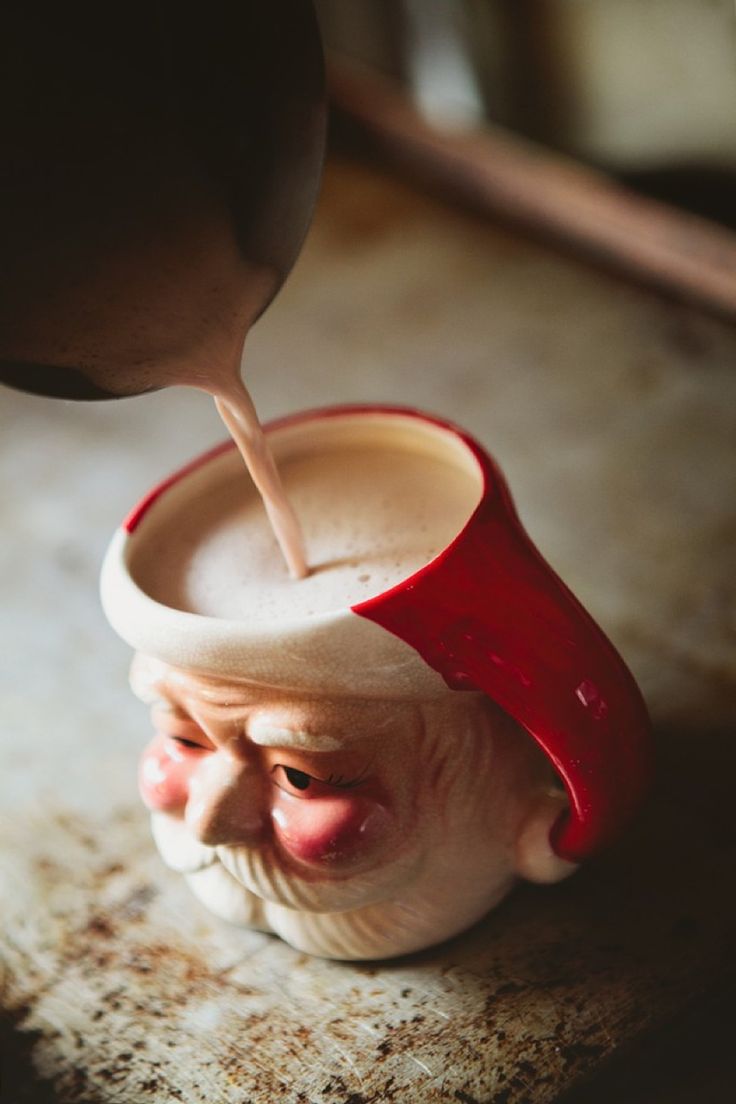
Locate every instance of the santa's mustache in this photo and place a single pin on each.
(179, 849)
(261, 873)
(182, 852)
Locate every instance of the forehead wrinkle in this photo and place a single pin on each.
(179, 682)
(285, 718)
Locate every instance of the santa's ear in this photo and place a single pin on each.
(535, 859)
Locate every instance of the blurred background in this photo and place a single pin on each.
(645, 89)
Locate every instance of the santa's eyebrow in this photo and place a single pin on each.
(270, 732)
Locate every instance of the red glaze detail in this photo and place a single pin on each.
(490, 614)
(328, 829)
(164, 773)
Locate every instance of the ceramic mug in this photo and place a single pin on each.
(481, 643)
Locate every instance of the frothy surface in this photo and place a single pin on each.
(369, 518)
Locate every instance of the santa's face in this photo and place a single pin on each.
(352, 828)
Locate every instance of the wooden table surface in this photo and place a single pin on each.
(613, 412)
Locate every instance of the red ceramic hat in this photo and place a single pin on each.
(490, 614)
(487, 614)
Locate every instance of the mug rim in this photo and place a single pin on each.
(224, 647)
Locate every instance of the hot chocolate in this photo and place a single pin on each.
(371, 518)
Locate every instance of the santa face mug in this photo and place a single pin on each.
(366, 760)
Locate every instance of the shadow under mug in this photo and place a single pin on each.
(486, 614)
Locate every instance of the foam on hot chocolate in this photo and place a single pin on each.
(370, 518)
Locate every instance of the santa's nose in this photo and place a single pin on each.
(225, 804)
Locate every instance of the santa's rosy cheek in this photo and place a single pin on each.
(164, 773)
(328, 829)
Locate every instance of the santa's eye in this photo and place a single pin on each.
(293, 780)
(181, 731)
(298, 779)
(183, 742)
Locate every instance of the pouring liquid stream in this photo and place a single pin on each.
(235, 407)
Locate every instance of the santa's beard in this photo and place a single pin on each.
(260, 871)
(426, 909)
(362, 916)
(401, 906)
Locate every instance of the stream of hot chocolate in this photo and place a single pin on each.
(237, 411)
